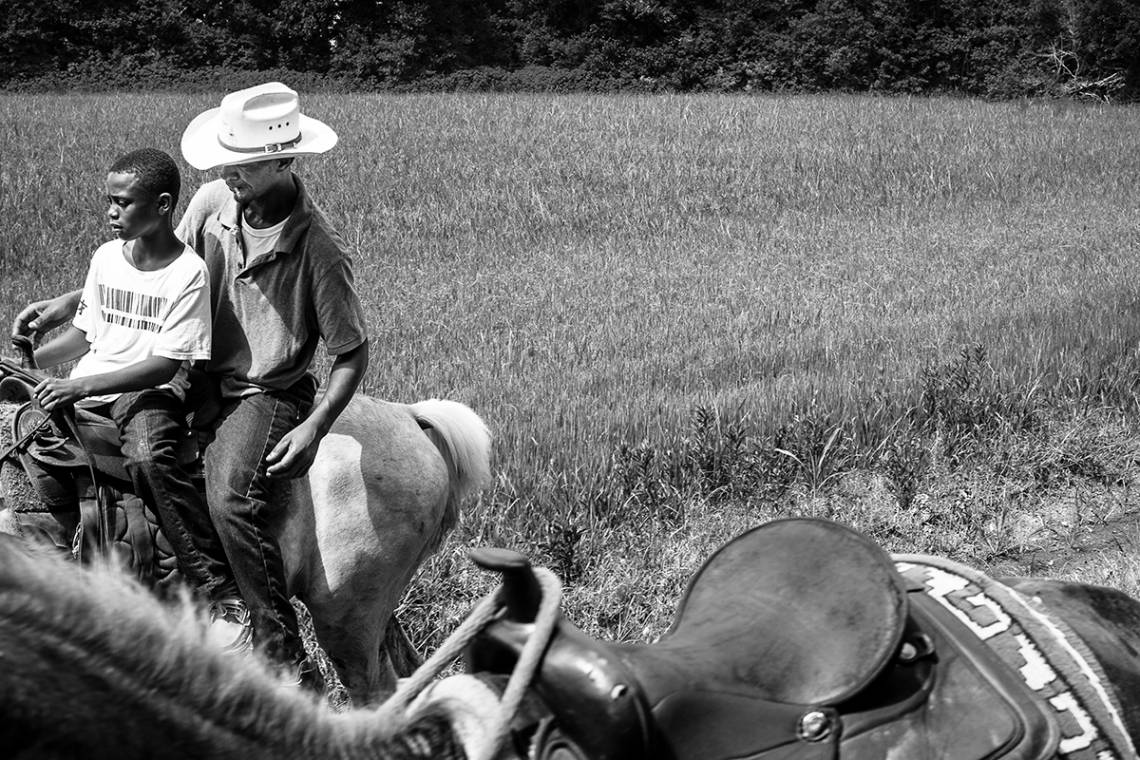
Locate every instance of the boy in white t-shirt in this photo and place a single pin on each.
(143, 318)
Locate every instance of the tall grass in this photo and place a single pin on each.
(684, 314)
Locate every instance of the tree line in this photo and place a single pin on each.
(992, 48)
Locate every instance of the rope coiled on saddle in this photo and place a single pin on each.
(481, 718)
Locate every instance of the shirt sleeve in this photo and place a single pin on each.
(340, 317)
(85, 313)
(186, 331)
(190, 226)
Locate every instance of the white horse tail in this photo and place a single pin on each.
(465, 443)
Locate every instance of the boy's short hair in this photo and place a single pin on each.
(154, 170)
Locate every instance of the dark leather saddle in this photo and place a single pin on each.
(798, 639)
(85, 447)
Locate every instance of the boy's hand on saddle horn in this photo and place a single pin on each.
(294, 453)
(41, 316)
(55, 392)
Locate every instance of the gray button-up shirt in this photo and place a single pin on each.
(270, 312)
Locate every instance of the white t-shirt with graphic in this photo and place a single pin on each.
(130, 315)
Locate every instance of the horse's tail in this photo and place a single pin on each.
(465, 443)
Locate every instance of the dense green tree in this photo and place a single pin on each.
(37, 36)
(400, 40)
(1105, 36)
(997, 48)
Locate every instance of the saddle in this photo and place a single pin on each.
(84, 446)
(798, 639)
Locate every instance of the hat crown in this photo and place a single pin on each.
(254, 124)
(257, 117)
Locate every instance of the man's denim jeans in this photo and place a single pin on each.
(151, 425)
(246, 507)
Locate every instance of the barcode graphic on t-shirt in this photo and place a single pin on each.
(139, 311)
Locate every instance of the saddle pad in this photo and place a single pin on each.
(1052, 661)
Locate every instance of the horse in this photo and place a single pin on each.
(93, 665)
(383, 492)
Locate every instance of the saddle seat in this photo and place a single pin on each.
(796, 612)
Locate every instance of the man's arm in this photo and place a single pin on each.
(42, 316)
(149, 373)
(294, 454)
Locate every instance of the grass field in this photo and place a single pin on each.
(683, 315)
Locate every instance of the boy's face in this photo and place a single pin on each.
(131, 210)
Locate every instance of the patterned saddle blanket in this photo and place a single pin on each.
(1051, 660)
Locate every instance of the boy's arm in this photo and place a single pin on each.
(149, 373)
(41, 316)
(65, 347)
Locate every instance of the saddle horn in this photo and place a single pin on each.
(27, 351)
(521, 592)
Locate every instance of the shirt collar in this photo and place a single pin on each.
(295, 226)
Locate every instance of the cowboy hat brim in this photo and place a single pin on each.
(202, 149)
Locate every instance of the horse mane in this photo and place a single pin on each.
(92, 665)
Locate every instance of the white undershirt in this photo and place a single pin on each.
(262, 241)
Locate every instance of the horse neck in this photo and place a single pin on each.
(97, 714)
(92, 666)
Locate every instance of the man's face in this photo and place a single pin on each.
(131, 210)
(249, 182)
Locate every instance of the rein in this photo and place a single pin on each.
(21, 443)
(25, 378)
(481, 719)
(29, 378)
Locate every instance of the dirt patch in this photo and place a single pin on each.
(1078, 551)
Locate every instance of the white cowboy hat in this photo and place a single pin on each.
(254, 124)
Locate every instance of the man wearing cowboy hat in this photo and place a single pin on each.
(281, 281)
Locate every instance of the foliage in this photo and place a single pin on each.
(1004, 48)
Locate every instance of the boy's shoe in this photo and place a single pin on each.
(231, 626)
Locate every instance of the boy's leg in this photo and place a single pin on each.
(247, 514)
(151, 425)
(56, 489)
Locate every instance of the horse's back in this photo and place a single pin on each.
(1108, 622)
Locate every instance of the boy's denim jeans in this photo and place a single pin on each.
(246, 507)
(151, 425)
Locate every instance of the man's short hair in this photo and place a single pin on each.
(154, 170)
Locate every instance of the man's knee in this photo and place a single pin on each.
(228, 504)
(147, 455)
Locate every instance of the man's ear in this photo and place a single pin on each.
(284, 164)
(165, 203)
